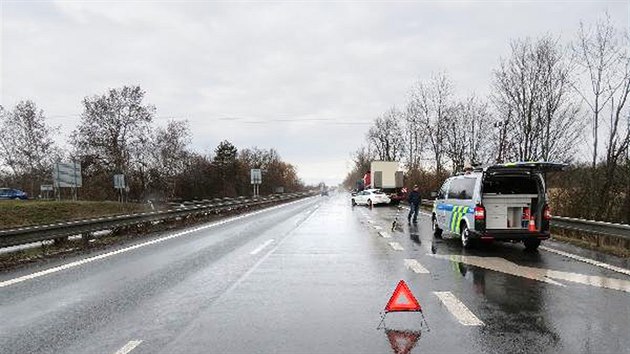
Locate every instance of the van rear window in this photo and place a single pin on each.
(510, 185)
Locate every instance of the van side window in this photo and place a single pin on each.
(462, 188)
(442, 192)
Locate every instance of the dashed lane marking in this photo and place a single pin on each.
(384, 234)
(458, 309)
(377, 227)
(139, 245)
(129, 347)
(261, 247)
(415, 266)
(396, 246)
(587, 260)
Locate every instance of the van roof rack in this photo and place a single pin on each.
(545, 166)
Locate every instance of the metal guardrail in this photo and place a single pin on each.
(592, 226)
(28, 234)
(589, 226)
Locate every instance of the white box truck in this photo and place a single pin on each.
(388, 177)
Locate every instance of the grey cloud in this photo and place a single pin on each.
(345, 61)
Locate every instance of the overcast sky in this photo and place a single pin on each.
(305, 78)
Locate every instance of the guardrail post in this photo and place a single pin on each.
(598, 239)
(86, 237)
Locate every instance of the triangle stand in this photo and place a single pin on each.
(423, 321)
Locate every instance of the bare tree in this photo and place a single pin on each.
(467, 139)
(114, 127)
(431, 104)
(361, 160)
(538, 117)
(386, 136)
(602, 55)
(170, 151)
(26, 144)
(597, 52)
(413, 136)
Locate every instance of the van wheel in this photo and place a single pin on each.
(369, 203)
(532, 245)
(353, 202)
(437, 232)
(464, 235)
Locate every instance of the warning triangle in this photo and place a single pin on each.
(402, 342)
(402, 299)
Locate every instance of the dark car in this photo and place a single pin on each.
(11, 193)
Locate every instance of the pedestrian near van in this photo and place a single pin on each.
(414, 204)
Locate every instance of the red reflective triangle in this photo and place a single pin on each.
(402, 299)
(402, 342)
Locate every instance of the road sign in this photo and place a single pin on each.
(119, 181)
(402, 300)
(256, 176)
(67, 175)
(46, 187)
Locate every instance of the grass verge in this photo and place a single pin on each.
(16, 213)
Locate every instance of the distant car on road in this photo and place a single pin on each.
(370, 197)
(11, 193)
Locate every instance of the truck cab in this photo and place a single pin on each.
(503, 202)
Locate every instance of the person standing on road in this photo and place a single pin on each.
(414, 204)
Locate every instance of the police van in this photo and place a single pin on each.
(503, 202)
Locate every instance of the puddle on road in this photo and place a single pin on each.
(545, 275)
(402, 342)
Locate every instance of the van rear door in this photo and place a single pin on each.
(513, 193)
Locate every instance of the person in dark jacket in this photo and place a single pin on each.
(414, 204)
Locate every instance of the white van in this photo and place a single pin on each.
(504, 202)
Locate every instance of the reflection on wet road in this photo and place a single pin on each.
(545, 275)
(314, 277)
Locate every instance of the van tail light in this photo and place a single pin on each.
(546, 212)
(526, 214)
(480, 212)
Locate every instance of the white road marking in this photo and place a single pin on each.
(396, 246)
(370, 221)
(415, 266)
(458, 309)
(384, 234)
(587, 260)
(261, 247)
(546, 275)
(264, 257)
(129, 347)
(377, 227)
(140, 245)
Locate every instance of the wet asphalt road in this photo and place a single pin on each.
(313, 277)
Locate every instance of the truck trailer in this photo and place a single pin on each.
(388, 177)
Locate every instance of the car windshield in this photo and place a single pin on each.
(300, 176)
